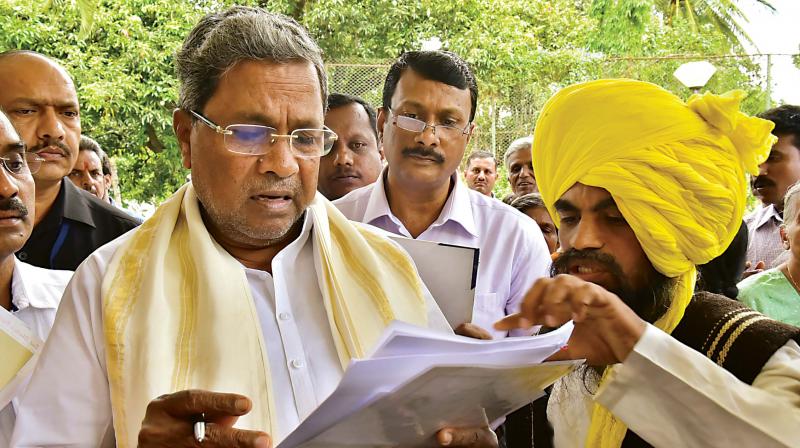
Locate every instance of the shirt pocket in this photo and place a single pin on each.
(488, 309)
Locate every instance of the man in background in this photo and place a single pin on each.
(520, 168)
(40, 99)
(480, 172)
(779, 172)
(356, 159)
(89, 172)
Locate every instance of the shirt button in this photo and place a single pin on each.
(22, 256)
(296, 363)
(284, 316)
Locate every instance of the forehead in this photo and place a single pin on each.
(7, 132)
(586, 197)
(520, 156)
(290, 90)
(413, 90)
(350, 115)
(482, 162)
(786, 145)
(88, 156)
(35, 78)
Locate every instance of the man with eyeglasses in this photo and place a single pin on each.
(244, 297)
(29, 295)
(429, 102)
(40, 99)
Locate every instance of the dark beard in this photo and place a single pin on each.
(649, 302)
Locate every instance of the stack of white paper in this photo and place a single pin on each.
(418, 381)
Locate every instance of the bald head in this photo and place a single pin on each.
(40, 99)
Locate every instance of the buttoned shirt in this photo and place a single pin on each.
(512, 250)
(76, 225)
(304, 365)
(35, 293)
(763, 230)
(671, 395)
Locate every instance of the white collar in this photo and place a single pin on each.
(30, 286)
(457, 208)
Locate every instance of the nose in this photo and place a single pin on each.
(481, 176)
(343, 156)
(279, 160)
(428, 136)
(586, 235)
(526, 171)
(49, 127)
(762, 169)
(8, 185)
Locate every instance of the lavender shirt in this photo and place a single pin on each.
(513, 253)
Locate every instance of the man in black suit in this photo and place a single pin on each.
(40, 98)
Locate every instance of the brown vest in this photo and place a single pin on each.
(726, 331)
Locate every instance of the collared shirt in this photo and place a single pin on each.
(35, 293)
(76, 225)
(304, 365)
(672, 395)
(513, 253)
(763, 231)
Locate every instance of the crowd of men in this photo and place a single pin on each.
(243, 299)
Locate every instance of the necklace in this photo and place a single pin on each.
(794, 283)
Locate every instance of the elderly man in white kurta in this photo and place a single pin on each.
(28, 295)
(245, 295)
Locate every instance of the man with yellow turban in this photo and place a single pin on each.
(645, 187)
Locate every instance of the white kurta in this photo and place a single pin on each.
(673, 396)
(68, 401)
(36, 293)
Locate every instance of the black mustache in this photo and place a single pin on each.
(424, 151)
(763, 181)
(51, 142)
(563, 261)
(14, 204)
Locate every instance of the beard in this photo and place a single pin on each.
(649, 302)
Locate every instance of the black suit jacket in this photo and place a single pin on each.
(76, 225)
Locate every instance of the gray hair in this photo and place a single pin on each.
(790, 204)
(222, 39)
(516, 145)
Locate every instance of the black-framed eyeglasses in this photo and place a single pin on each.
(253, 139)
(18, 164)
(417, 126)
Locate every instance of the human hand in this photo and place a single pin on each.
(606, 329)
(472, 331)
(481, 437)
(759, 267)
(169, 421)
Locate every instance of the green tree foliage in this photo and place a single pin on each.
(120, 53)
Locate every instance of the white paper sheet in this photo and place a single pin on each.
(454, 291)
(419, 381)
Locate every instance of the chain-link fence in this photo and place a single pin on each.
(502, 118)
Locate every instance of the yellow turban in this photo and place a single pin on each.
(677, 171)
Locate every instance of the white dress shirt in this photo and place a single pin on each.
(513, 253)
(68, 401)
(672, 395)
(35, 292)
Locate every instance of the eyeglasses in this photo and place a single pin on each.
(418, 126)
(18, 164)
(252, 139)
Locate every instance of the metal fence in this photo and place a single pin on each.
(501, 119)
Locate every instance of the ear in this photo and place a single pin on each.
(381, 124)
(182, 125)
(472, 128)
(784, 237)
(380, 152)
